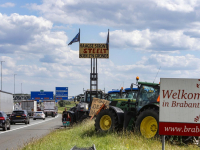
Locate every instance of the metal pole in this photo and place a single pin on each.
(21, 88)
(14, 83)
(96, 80)
(91, 83)
(93, 65)
(1, 74)
(163, 142)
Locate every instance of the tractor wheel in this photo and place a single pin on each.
(147, 123)
(106, 120)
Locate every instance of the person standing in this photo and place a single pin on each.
(65, 115)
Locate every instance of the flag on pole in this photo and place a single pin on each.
(107, 42)
(75, 39)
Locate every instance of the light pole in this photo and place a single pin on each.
(1, 74)
(14, 83)
(21, 88)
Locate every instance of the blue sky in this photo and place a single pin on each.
(145, 35)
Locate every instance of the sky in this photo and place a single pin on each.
(151, 39)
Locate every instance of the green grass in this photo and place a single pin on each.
(61, 109)
(84, 135)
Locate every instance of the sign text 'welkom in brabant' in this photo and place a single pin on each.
(93, 50)
(179, 107)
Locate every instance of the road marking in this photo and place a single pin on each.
(29, 125)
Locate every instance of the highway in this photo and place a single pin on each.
(21, 133)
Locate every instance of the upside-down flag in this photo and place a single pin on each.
(75, 39)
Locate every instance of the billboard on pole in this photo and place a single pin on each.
(61, 93)
(179, 107)
(93, 50)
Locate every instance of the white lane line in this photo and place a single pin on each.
(28, 125)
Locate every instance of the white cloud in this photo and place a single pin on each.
(7, 5)
(184, 66)
(187, 62)
(37, 52)
(147, 40)
(169, 14)
(17, 29)
(123, 39)
(178, 5)
(8, 61)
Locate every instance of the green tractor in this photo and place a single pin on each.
(115, 94)
(140, 113)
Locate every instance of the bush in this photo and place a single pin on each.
(67, 103)
(62, 103)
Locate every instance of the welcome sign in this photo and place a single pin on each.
(179, 107)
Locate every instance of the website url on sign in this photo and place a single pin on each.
(176, 128)
(185, 129)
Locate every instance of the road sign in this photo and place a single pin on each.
(41, 95)
(179, 107)
(93, 50)
(61, 93)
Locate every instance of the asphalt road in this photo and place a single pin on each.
(21, 133)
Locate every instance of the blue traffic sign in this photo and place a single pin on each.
(61, 93)
(41, 95)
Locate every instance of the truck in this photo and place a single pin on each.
(30, 106)
(50, 108)
(6, 102)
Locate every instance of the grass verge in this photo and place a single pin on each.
(61, 109)
(84, 135)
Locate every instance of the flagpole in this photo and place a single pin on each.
(79, 36)
(108, 39)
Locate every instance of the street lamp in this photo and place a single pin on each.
(1, 74)
(21, 88)
(14, 83)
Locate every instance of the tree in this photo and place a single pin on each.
(61, 103)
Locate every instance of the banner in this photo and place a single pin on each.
(96, 105)
(93, 50)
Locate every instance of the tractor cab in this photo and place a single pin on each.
(129, 96)
(93, 94)
(82, 99)
(79, 97)
(131, 93)
(148, 94)
(115, 94)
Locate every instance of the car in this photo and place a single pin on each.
(39, 115)
(4, 121)
(19, 116)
